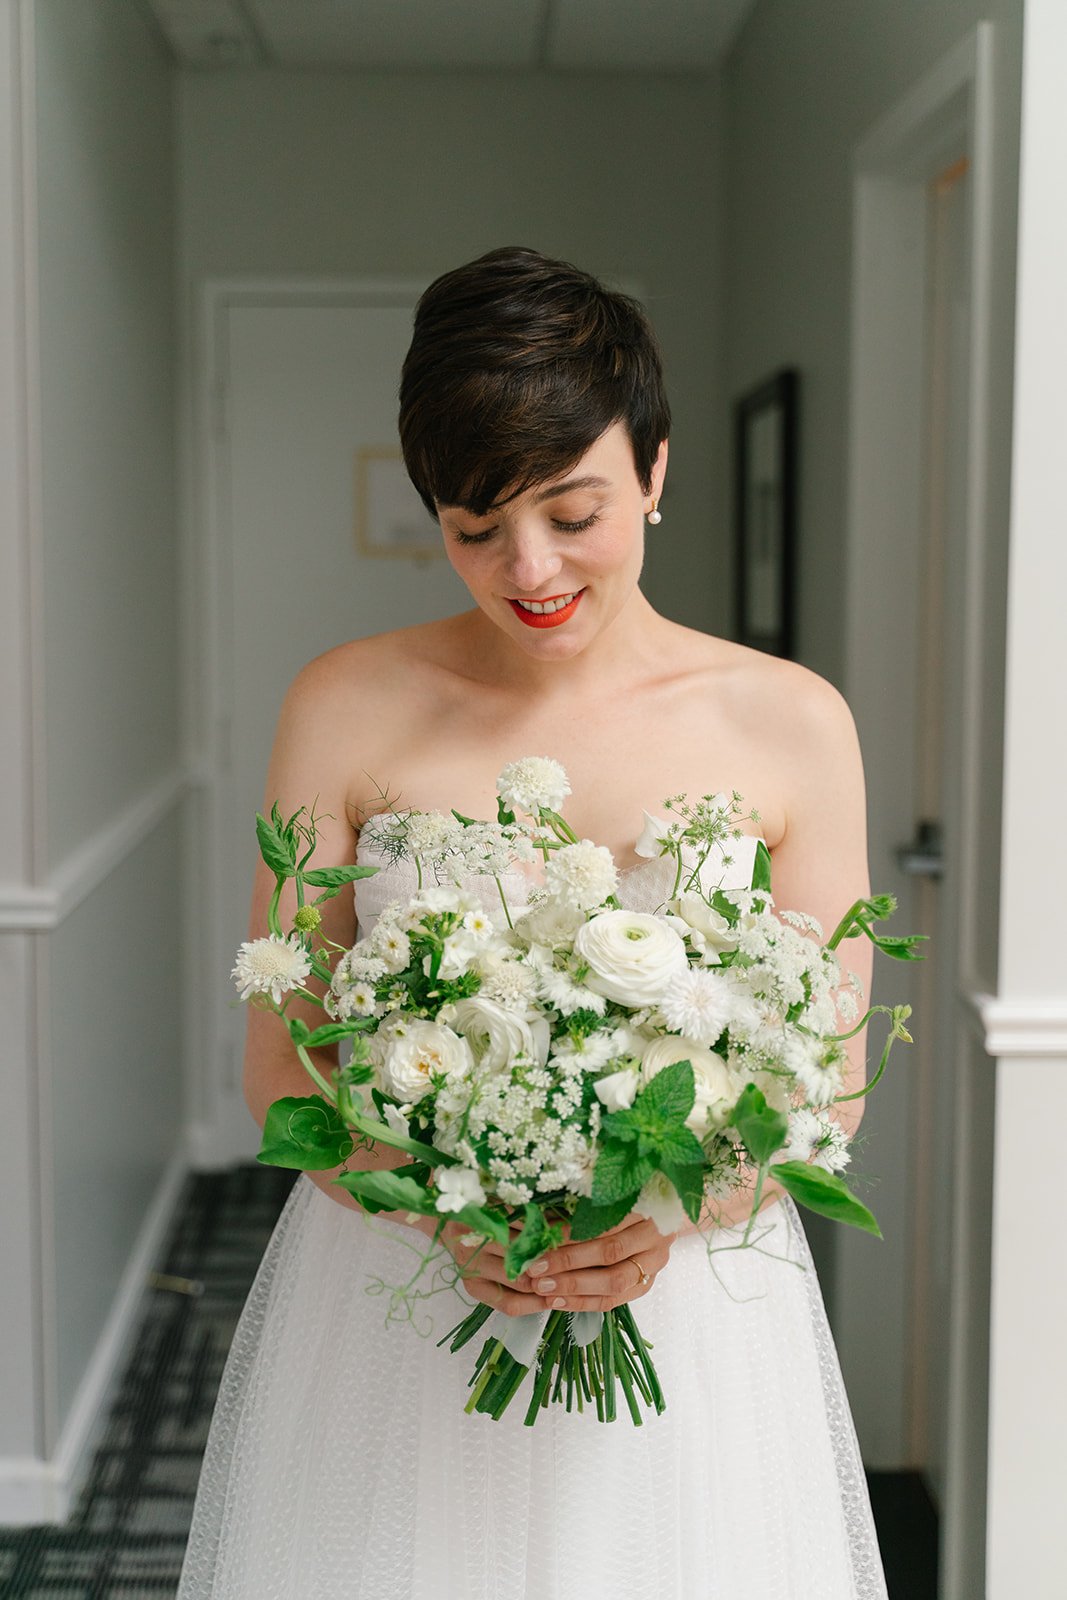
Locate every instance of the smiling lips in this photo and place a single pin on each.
(547, 613)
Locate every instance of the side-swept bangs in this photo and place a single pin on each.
(517, 365)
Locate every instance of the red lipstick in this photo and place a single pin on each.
(545, 619)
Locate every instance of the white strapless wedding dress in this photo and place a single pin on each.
(341, 1464)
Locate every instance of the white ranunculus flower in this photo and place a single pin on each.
(659, 1202)
(618, 1090)
(458, 1187)
(497, 1035)
(717, 1088)
(533, 784)
(271, 966)
(632, 956)
(583, 874)
(417, 1051)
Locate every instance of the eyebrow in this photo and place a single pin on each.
(590, 481)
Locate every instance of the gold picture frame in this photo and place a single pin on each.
(391, 520)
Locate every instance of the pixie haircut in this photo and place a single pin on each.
(517, 365)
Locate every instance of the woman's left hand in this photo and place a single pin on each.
(601, 1273)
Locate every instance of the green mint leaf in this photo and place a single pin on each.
(306, 1134)
(619, 1173)
(688, 1180)
(667, 1099)
(824, 1192)
(681, 1147)
(590, 1221)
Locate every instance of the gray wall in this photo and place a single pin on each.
(406, 175)
(106, 207)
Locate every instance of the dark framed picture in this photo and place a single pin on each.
(765, 513)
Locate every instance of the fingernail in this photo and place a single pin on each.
(538, 1267)
(546, 1285)
(558, 1305)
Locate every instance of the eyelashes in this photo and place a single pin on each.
(564, 527)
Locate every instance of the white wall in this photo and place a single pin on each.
(804, 84)
(97, 875)
(402, 176)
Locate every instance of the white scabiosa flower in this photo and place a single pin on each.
(699, 1004)
(583, 874)
(458, 1187)
(271, 966)
(533, 784)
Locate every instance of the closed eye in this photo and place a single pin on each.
(564, 527)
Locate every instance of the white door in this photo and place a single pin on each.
(912, 1310)
(317, 537)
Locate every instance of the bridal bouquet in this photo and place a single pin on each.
(562, 1062)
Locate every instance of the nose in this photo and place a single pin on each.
(532, 559)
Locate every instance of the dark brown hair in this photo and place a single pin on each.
(517, 365)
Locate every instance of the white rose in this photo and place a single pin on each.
(617, 1091)
(497, 1035)
(415, 1052)
(717, 1088)
(714, 931)
(458, 1187)
(659, 1202)
(632, 956)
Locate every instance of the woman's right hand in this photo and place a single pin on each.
(481, 1266)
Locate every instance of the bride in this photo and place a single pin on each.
(341, 1463)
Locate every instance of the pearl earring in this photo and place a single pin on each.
(654, 516)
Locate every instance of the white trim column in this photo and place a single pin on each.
(22, 1378)
(1027, 1020)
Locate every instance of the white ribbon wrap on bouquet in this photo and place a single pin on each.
(521, 1336)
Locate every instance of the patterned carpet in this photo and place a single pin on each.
(128, 1531)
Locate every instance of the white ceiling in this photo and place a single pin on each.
(414, 35)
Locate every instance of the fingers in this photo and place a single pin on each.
(635, 1236)
(601, 1287)
(504, 1297)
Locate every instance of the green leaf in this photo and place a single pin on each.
(681, 1147)
(481, 1220)
(762, 1129)
(667, 1099)
(722, 903)
(824, 1192)
(388, 1191)
(619, 1173)
(622, 1126)
(299, 1031)
(334, 1032)
(590, 1221)
(761, 867)
(336, 877)
(688, 1180)
(536, 1237)
(899, 946)
(304, 1133)
(273, 846)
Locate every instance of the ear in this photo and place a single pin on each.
(659, 470)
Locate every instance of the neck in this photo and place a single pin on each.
(624, 651)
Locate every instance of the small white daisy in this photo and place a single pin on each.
(698, 1004)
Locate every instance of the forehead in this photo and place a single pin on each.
(607, 463)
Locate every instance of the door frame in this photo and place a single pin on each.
(949, 112)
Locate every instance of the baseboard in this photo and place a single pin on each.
(34, 1491)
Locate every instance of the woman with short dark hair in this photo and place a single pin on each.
(342, 1465)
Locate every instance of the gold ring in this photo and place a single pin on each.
(645, 1277)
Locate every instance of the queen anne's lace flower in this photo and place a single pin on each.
(271, 966)
(533, 784)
